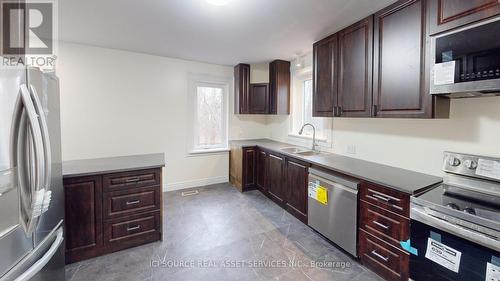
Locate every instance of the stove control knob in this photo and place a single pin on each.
(471, 164)
(453, 206)
(453, 161)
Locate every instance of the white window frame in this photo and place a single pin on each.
(326, 140)
(202, 80)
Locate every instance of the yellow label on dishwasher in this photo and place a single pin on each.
(322, 195)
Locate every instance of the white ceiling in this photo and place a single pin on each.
(250, 31)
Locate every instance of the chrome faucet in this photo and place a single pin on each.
(314, 134)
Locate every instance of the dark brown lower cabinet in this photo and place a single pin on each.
(384, 222)
(296, 188)
(261, 171)
(83, 213)
(249, 168)
(112, 212)
(275, 177)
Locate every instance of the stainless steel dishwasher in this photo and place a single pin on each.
(336, 219)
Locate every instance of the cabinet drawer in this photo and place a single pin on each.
(120, 203)
(133, 179)
(386, 225)
(388, 199)
(382, 258)
(131, 231)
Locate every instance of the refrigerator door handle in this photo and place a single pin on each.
(44, 260)
(37, 193)
(45, 137)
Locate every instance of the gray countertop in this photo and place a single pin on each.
(406, 181)
(86, 167)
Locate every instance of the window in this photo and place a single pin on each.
(303, 108)
(209, 98)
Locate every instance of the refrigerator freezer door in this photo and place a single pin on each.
(39, 263)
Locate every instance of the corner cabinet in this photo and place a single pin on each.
(111, 212)
(355, 69)
(279, 87)
(263, 98)
(242, 89)
(445, 15)
(325, 57)
(281, 178)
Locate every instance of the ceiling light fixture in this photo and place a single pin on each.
(218, 2)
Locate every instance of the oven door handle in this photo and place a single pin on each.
(469, 234)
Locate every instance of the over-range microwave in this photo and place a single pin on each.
(466, 62)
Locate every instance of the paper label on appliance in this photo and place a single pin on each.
(318, 193)
(444, 73)
(443, 255)
(488, 168)
(492, 272)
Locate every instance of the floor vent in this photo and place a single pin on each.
(189, 193)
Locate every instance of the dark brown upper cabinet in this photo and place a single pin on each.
(259, 98)
(325, 56)
(355, 69)
(399, 85)
(241, 88)
(262, 98)
(449, 14)
(279, 87)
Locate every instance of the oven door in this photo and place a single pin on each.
(472, 264)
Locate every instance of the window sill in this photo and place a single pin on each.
(201, 152)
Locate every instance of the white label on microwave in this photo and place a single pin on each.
(488, 168)
(492, 272)
(444, 73)
(443, 255)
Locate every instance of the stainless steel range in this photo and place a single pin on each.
(455, 227)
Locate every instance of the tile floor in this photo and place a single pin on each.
(222, 234)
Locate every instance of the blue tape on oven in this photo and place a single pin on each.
(436, 236)
(495, 260)
(406, 245)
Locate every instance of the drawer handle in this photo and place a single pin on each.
(381, 198)
(136, 179)
(374, 252)
(133, 228)
(381, 224)
(133, 202)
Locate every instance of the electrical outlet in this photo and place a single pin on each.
(351, 149)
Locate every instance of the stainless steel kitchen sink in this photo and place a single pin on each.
(294, 150)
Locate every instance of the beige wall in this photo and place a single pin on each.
(473, 127)
(120, 103)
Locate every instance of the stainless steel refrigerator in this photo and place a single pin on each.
(31, 189)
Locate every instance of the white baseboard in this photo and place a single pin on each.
(194, 183)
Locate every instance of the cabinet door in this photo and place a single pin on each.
(259, 98)
(279, 87)
(325, 76)
(399, 86)
(296, 189)
(275, 178)
(241, 88)
(83, 203)
(355, 72)
(449, 14)
(261, 170)
(248, 168)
